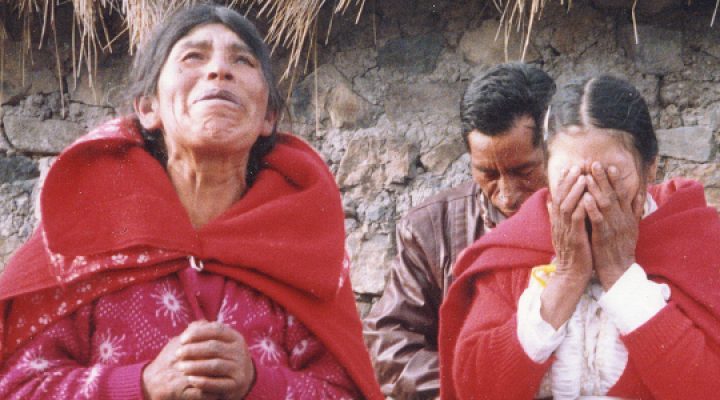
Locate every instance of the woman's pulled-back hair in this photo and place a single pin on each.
(606, 102)
(149, 61)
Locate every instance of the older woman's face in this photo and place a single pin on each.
(211, 94)
(582, 147)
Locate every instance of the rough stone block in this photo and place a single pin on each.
(480, 46)
(405, 99)
(658, 52)
(17, 168)
(708, 174)
(356, 62)
(370, 262)
(4, 144)
(374, 162)
(34, 136)
(331, 98)
(578, 29)
(24, 74)
(417, 54)
(441, 156)
(16, 222)
(689, 94)
(346, 109)
(694, 143)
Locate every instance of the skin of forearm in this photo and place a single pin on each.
(560, 297)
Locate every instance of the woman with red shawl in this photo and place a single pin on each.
(601, 287)
(189, 251)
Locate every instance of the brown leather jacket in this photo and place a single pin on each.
(402, 327)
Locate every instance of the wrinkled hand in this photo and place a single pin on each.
(614, 217)
(163, 380)
(208, 361)
(573, 256)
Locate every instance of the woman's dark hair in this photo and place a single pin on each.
(606, 102)
(493, 101)
(149, 61)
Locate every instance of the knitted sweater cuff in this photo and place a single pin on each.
(123, 382)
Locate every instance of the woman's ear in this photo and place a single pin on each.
(146, 111)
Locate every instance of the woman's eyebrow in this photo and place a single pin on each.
(194, 44)
(239, 47)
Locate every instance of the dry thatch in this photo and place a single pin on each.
(292, 23)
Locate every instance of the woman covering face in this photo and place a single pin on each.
(602, 286)
(188, 251)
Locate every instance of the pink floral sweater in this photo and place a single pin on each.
(99, 351)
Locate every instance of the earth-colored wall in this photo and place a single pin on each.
(387, 100)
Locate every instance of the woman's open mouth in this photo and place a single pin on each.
(218, 95)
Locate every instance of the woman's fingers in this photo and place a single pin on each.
(600, 175)
(615, 178)
(207, 367)
(568, 178)
(192, 393)
(593, 211)
(570, 202)
(599, 187)
(214, 385)
(200, 331)
(208, 349)
(578, 219)
(638, 206)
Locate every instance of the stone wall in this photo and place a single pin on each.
(382, 104)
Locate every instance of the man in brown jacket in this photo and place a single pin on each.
(502, 116)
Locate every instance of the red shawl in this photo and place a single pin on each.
(107, 204)
(678, 244)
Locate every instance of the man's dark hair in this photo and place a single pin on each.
(492, 102)
(149, 61)
(606, 102)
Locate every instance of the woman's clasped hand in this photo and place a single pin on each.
(209, 360)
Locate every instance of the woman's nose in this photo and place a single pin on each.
(219, 68)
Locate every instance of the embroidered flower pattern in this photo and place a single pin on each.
(90, 381)
(109, 351)
(268, 350)
(169, 305)
(226, 313)
(33, 362)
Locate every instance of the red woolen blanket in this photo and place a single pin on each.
(678, 244)
(106, 203)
